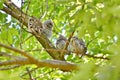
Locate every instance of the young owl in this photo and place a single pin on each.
(61, 42)
(35, 26)
(78, 46)
(47, 28)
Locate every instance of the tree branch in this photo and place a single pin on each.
(20, 52)
(16, 12)
(88, 55)
(66, 45)
(10, 67)
(15, 62)
(30, 75)
(29, 71)
(66, 66)
(9, 55)
(63, 65)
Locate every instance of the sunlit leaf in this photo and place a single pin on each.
(1, 4)
(73, 7)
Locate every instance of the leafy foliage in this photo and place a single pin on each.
(95, 21)
(1, 4)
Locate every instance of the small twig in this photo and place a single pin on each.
(20, 44)
(66, 51)
(27, 39)
(51, 50)
(101, 57)
(67, 43)
(28, 71)
(47, 6)
(57, 50)
(25, 30)
(9, 55)
(20, 52)
(43, 74)
(91, 41)
(45, 12)
(33, 50)
(21, 24)
(10, 67)
(28, 6)
(69, 40)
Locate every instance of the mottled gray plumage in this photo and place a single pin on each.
(36, 27)
(47, 28)
(61, 42)
(77, 45)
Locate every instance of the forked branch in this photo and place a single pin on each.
(63, 65)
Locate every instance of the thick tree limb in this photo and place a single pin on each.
(44, 63)
(63, 65)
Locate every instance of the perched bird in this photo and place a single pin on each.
(34, 26)
(47, 28)
(61, 42)
(77, 46)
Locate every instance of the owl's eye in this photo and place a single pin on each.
(30, 20)
(36, 31)
(50, 24)
(30, 24)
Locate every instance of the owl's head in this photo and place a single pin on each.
(49, 24)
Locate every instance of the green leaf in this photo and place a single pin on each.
(67, 11)
(64, 1)
(1, 4)
(3, 18)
